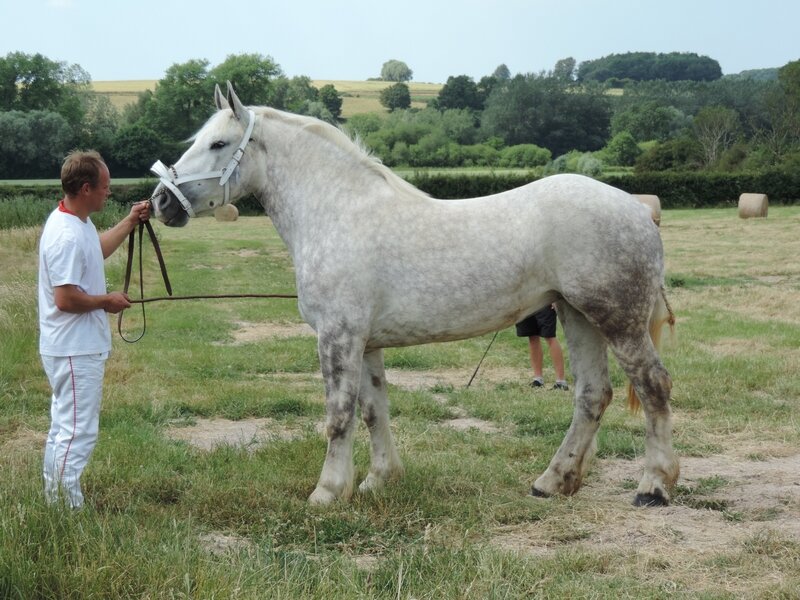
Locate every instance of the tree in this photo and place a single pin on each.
(99, 125)
(459, 92)
(565, 69)
(643, 66)
(501, 73)
(34, 82)
(622, 150)
(180, 103)
(331, 99)
(715, 129)
(294, 94)
(396, 70)
(33, 143)
(134, 147)
(532, 109)
(252, 75)
(396, 97)
(677, 154)
(649, 121)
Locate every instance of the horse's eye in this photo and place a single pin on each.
(218, 145)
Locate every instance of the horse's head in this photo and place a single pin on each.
(207, 175)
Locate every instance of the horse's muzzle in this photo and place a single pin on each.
(167, 209)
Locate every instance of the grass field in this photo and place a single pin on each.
(357, 96)
(210, 444)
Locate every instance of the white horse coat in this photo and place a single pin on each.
(380, 264)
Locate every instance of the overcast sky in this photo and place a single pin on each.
(351, 39)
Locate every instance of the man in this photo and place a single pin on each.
(542, 324)
(74, 335)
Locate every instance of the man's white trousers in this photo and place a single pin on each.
(77, 384)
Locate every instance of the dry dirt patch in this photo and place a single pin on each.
(207, 434)
(759, 498)
(247, 333)
(455, 378)
(22, 441)
(218, 543)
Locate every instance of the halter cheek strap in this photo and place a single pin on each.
(170, 179)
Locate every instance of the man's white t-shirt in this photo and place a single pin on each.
(70, 254)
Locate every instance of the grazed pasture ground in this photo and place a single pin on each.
(228, 387)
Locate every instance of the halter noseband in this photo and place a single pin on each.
(170, 179)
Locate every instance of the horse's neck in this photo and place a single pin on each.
(312, 181)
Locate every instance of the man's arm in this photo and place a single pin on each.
(111, 239)
(71, 299)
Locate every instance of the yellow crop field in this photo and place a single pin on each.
(357, 96)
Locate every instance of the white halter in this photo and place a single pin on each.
(170, 179)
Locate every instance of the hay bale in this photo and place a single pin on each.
(753, 206)
(227, 212)
(654, 203)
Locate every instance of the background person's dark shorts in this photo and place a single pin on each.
(541, 323)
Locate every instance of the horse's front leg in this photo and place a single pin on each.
(374, 403)
(340, 355)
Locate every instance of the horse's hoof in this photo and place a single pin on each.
(321, 497)
(536, 493)
(654, 499)
(372, 483)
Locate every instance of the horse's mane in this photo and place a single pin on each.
(352, 146)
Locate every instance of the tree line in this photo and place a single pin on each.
(573, 117)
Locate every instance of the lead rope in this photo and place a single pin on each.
(480, 362)
(142, 300)
(128, 269)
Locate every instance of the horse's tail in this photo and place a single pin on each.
(662, 315)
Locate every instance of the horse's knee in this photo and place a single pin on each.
(340, 420)
(593, 401)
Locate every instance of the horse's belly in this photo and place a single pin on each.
(423, 324)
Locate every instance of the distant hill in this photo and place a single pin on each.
(756, 74)
(357, 96)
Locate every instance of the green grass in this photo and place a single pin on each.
(153, 501)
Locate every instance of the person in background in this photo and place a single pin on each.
(542, 324)
(74, 334)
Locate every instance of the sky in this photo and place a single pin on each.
(352, 39)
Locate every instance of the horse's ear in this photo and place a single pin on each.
(233, 100)
(219, 99)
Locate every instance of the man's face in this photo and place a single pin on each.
(97, 195)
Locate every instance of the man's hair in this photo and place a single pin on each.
(81, 166)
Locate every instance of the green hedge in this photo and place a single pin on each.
(126, 193)
(675, 190)
(703, 190)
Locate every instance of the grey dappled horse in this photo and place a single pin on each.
(380, 264)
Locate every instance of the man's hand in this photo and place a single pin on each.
(115, 302)
(140, 212)
(72, 299)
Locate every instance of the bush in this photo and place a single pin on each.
(524, 156)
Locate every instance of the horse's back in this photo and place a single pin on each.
(454, 268)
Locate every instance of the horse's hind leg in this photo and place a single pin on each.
(652, 383)
(589, 365)
(340, 356)
(374, 403)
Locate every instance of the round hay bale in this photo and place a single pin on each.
(654, 203)
(227, 212)
(753, 206)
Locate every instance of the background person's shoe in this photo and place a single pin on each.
(561, 385)
(537, 382)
